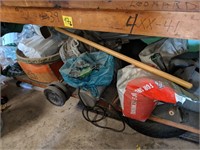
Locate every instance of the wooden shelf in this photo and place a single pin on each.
(179, 19)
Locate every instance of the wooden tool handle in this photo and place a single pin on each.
(128, 59)
(174, 124)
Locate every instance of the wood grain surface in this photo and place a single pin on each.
(161, 5)
(150, 23)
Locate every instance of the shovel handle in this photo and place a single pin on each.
(128, 59)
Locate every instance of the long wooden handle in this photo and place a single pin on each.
(174, 124)
(128, 59)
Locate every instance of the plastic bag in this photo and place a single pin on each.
(139, 90)
(9, 52)
(29, 30)
(186, 67)
(7, 57)
(158, 54)
(88, 71)
(13, 38)
(38, 47)
(10, 39)
(8, 49)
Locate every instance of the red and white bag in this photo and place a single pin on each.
(139, 91)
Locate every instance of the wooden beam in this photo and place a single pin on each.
(174, 124)
(161, 5)
(150, 23)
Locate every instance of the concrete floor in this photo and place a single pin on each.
(31, 122)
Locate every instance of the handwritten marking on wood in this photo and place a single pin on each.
(134, 18)
(162, 5)
(186, 5)
(50, 16)
(151, 23)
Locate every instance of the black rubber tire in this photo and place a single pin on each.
(60, 85)
(55, 96)
(154, 129)
(63, 87)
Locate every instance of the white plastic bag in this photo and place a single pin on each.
(38, 46)
(10, 39)
(4, 59)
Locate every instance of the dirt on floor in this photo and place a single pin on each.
(31, 122)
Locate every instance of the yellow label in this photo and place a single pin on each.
(138, 147)
(68, 21)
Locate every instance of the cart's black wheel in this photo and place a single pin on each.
(154, 129)
(63, 88)
(60, 85)
(55, 95)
